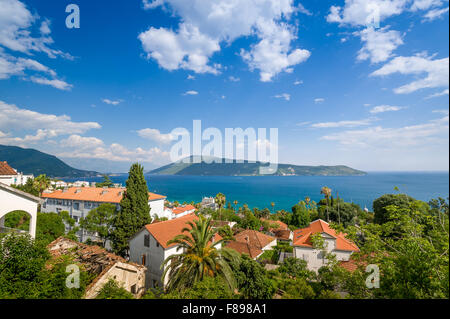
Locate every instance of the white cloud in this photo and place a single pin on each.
(303, 10)
(81, 142)
(434, 14)
(445, 92)
(190, 92)
(58, 84)
(425, 4)
(445, 112)
(435, 131)
(205, 24)
(357, 123)
(285, 96)
(45, 126)
(112, 102)
(362, 12)
(298, 82)
(156, 135)
(319, 100)
(190, 77)
(386, 108)
(16, 22)
(437, 72)
(233, 79)
(378, 44)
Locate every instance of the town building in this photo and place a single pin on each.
(104, 265)
(335, 243)
(12, 199)
(79, 201)
(10, 176)
(176, 211)
(149, 246)
(279, 230)
(252, 242)
(209, 202)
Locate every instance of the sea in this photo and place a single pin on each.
(286, 191)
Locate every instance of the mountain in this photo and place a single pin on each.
(220, 168)
(30, 161)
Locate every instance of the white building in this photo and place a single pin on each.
(79, 201)
(12, 199)
(10, 176)
(176, 212)
(149, 247)
(209, 202)
(335, 243)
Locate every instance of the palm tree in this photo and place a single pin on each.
(235, 204)
(41, 183)
(307, 201)
(326, 191)
(220, 200)
(199, 257)
(273, 205)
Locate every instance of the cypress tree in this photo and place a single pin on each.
(134, 210)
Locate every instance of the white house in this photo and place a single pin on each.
(335, 243)
(79, 201)
(10, 176)
(12, 199)
(176, 212)
(149, 247)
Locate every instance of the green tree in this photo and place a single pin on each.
(300, 215)
(29, 187)
(134, 210)
(381, 203)
(295, 267)
(199, 257)
(112, 290)
(106, 182)
(41, 183)
(49, 226)
(253, 281)
(326, 191)
(220, 200)
(100, 220)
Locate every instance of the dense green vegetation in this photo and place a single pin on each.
(30, 161)
(222, 168)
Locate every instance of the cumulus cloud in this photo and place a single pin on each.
(205, 25)
(436, 71)
(233, 79)
(298, 82)
(45, 126)
(378, 44)
(156, 135)
(17, 26)
(385, 108)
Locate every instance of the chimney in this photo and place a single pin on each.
(78, 191)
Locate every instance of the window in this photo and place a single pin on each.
(133, 289)
(143, 261)
(147, 240)
(157, 244)
(155, 284)
(76, 206)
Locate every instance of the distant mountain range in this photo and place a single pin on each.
(220, 168)
(30, 161)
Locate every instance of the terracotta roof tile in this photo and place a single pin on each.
(250, 242)
(302, 237)
(5, 169)
(280, 224)
(94, 194)
(166, 230)
(182, 209)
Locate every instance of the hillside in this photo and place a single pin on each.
(30, 161)
(250, 169)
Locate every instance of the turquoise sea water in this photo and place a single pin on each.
(285, 191)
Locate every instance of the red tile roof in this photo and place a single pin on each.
(302, 237)
(5, 169)
(250, 242)
(164, 231)
(94, 194)
(280, 224)
(182, 209)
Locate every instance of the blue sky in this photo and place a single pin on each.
(339, 90)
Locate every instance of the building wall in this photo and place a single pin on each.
(126, 275)
(314, 257)
(156, 207)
